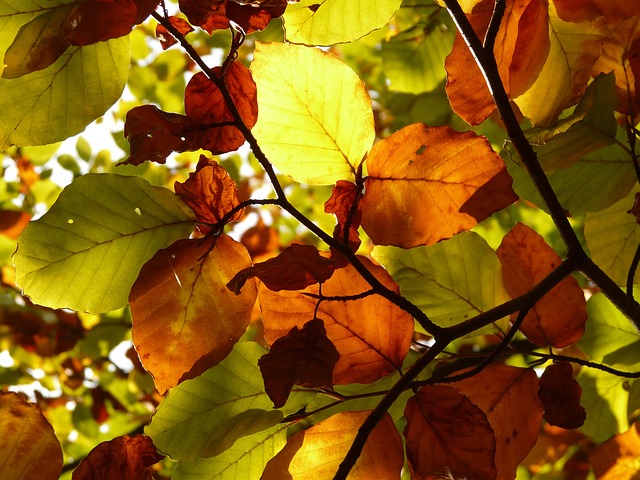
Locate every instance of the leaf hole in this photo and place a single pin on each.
(138, 211)
(70, 221)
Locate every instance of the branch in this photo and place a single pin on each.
(340, 298)
(586, 363)
(632, 272)
(494, 25)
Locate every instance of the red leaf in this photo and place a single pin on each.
(297, 267)
(165, 37)
(123, 458)
(205, 104)
(213, 15)
(344, 204)
(448, 436)
(210, 192)
(560, 393)
(557, 319)
(304, 357)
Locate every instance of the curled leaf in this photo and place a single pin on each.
(344, 203)
(560, 393)
(213, 15)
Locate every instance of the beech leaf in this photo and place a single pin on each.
(166, 38)
(560, 393)
(344, 204)
(213, 15)
(425, 184)
(617, 458)
(304, 357)
(184, 319)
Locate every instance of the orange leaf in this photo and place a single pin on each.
(503, 392)
(426, 184)
(28, 444)
(260, 239)
(123, 458)
(317, 452)
(184, 318)
(617, 458)
(210, 192)
(448, 436)
(560, 393)
(204, 103)
(297, 267)
(557, 319)
(165, 37)
(303, 356)
(372, 335)
(12, 222)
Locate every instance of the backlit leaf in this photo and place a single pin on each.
(123, 458)
(617, 458)
(557, 319)
(426, 184)
(166, 38)
(317, 452)
(560, 394)
(451, 281)
(185, 320)
(12, 222)
(327, 22)
(28, 445)
(371, 334)
(344, 203)
(316, 122)
(205, 416)
(304, 357)
(72, 257)
(447, 435)
(213, 15)
(503, 392)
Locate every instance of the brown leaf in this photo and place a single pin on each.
(123, 458)
(12, 222)
(260, 239)
(557, 319)
(372, 335)
(166, 38)
(28, 443)
(344, 203)
(297, 267)
(422, 182)
(560, 393)
(213, 15)
(617, 458)
(503, 392)
(184, 318)
(448, 436)
(317, 452)
(302, 357)
(210, 192)
(635, 210)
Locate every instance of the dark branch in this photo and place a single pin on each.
(494, 26)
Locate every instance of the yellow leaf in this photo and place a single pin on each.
(315, 121)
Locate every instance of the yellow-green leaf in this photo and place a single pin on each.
(327, 22)
(315, 122)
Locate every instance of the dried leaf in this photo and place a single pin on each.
(213, 15)
(344, 203)
(448, 436)
(302, 357)
(560, 393)
(557, 319)
(166, 38)
(426, 184)
(123, 458)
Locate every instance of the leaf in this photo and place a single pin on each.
(574, 49)
(29, 445)
(447, 435)
(617, 458)
(245, 460)
(345, 204)
(12, 222)
(371, 334)
(123, 458)
(426, 184)
(303, 356)
(316, 122)
(612, 236)
(62, 99)
(297, 267)
(184, 318)
(503, 392)
(72, 257)
(560, 393)
(166, 38)
(317, 452)
(450, 281)
(557, 319)
(213, 15)
(327, 22)
(210, 192)
(203, 417)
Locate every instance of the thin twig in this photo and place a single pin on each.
(494, 25)
(632, 272)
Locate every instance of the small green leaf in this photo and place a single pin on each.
(450, 281)
(86, 251)
(83, 147)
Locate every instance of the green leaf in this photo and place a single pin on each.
(450, 281)
(315, 122)
(59, 101)
(245, 460)
(86, 251)
(613, 235)
(327, 22)
(414, 59)
(205, 416)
